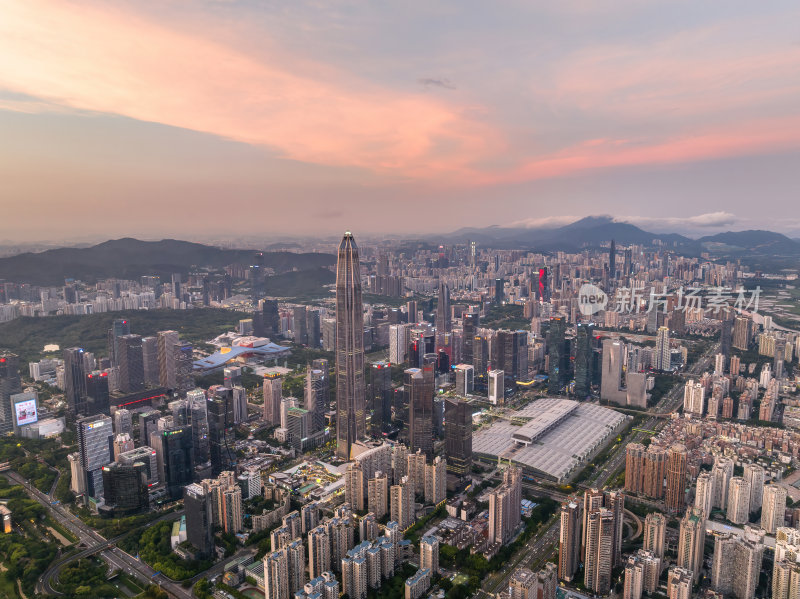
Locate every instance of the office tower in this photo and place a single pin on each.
(722, 472)
(298, 426)
(738, 500)
(704, 493)
(276, 576)
(443, 317)
(316, 392)
(273, 384)
(429, 554)
(458, 437)
(148, 422)
(199, 524)
(150, 361)
(661, 356)
(569, 546)
(176, 458)
(418, 384)
(239, 397)
(480, 355)
(691, 540)
(611, 375)
(398, 343)
(499, 293)
(183, 353)
(350, 389)
(675, 495)
(679, 583)
(299, 325)
(96, 399)
(655, 471)
(313, 332)
(146, 456)
(558, 355)
(773, 509)
(754, 474)
(635, 467)
(319, 551)
(401, 500)
(612, 261)
(124, 488)
(584, 359)
(465, 379)
(354, 486)
(600, 530)
(179, 409)
(693, 398)
(655, 530)
(436, 481)
(220, 430)
(95, 438)
(119, 327)
(196, 400)
(122, 421)
(131, 366)
(379, 401)
(231, 509)
(257, 278)
(166, 358)
(504, 507)
(378, 494)
(497, 393)
(74, 380)
(470, 323)
(742, 332)
(511, 354)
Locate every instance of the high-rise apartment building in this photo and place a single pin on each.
(691, 540)
(773, 508)
(635, 467)
(675, 494)
(504, 506)
(350, 387)
(738, 500)
(272, 386)
(569, 547)
(693, 398)
(655, 530)
(662, 355)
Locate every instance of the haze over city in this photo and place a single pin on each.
(196, 112)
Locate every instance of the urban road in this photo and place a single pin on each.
(92, 543)
(543, 545)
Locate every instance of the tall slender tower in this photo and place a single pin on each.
(350, 390)
(443, 321)
(612, 261)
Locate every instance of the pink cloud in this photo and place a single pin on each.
(94, 58)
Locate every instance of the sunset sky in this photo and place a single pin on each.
(195, 117)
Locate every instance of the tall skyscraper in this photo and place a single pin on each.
(379, 401)
(97, 394)
(199, 524)
(10, 384)
(558, 352)
(74, 379)
(655, 530)
(419, 387)
(511, 354)
(199, 420)
(569, 547)
(612, 261)
(443, 316)
(166, 358)
(754, 474)
(95, 444)
(457, 439)
(655, 471)
(599, 533)
(119, 327)
(661, 357)
(470, 323)
(676, 478)
(257, 278)
(220, 430)
(350, 388)
(504, 506)
(738, 500)
(131, 364)
(584, 359)
(704, 493)
(499, 292)
(273, 384)
(176, 457)
(693, 398)
(635, 467)
(124, 488)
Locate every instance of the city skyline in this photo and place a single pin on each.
(544, 111)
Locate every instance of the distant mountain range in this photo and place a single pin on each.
(596, 231)
(131, 258)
